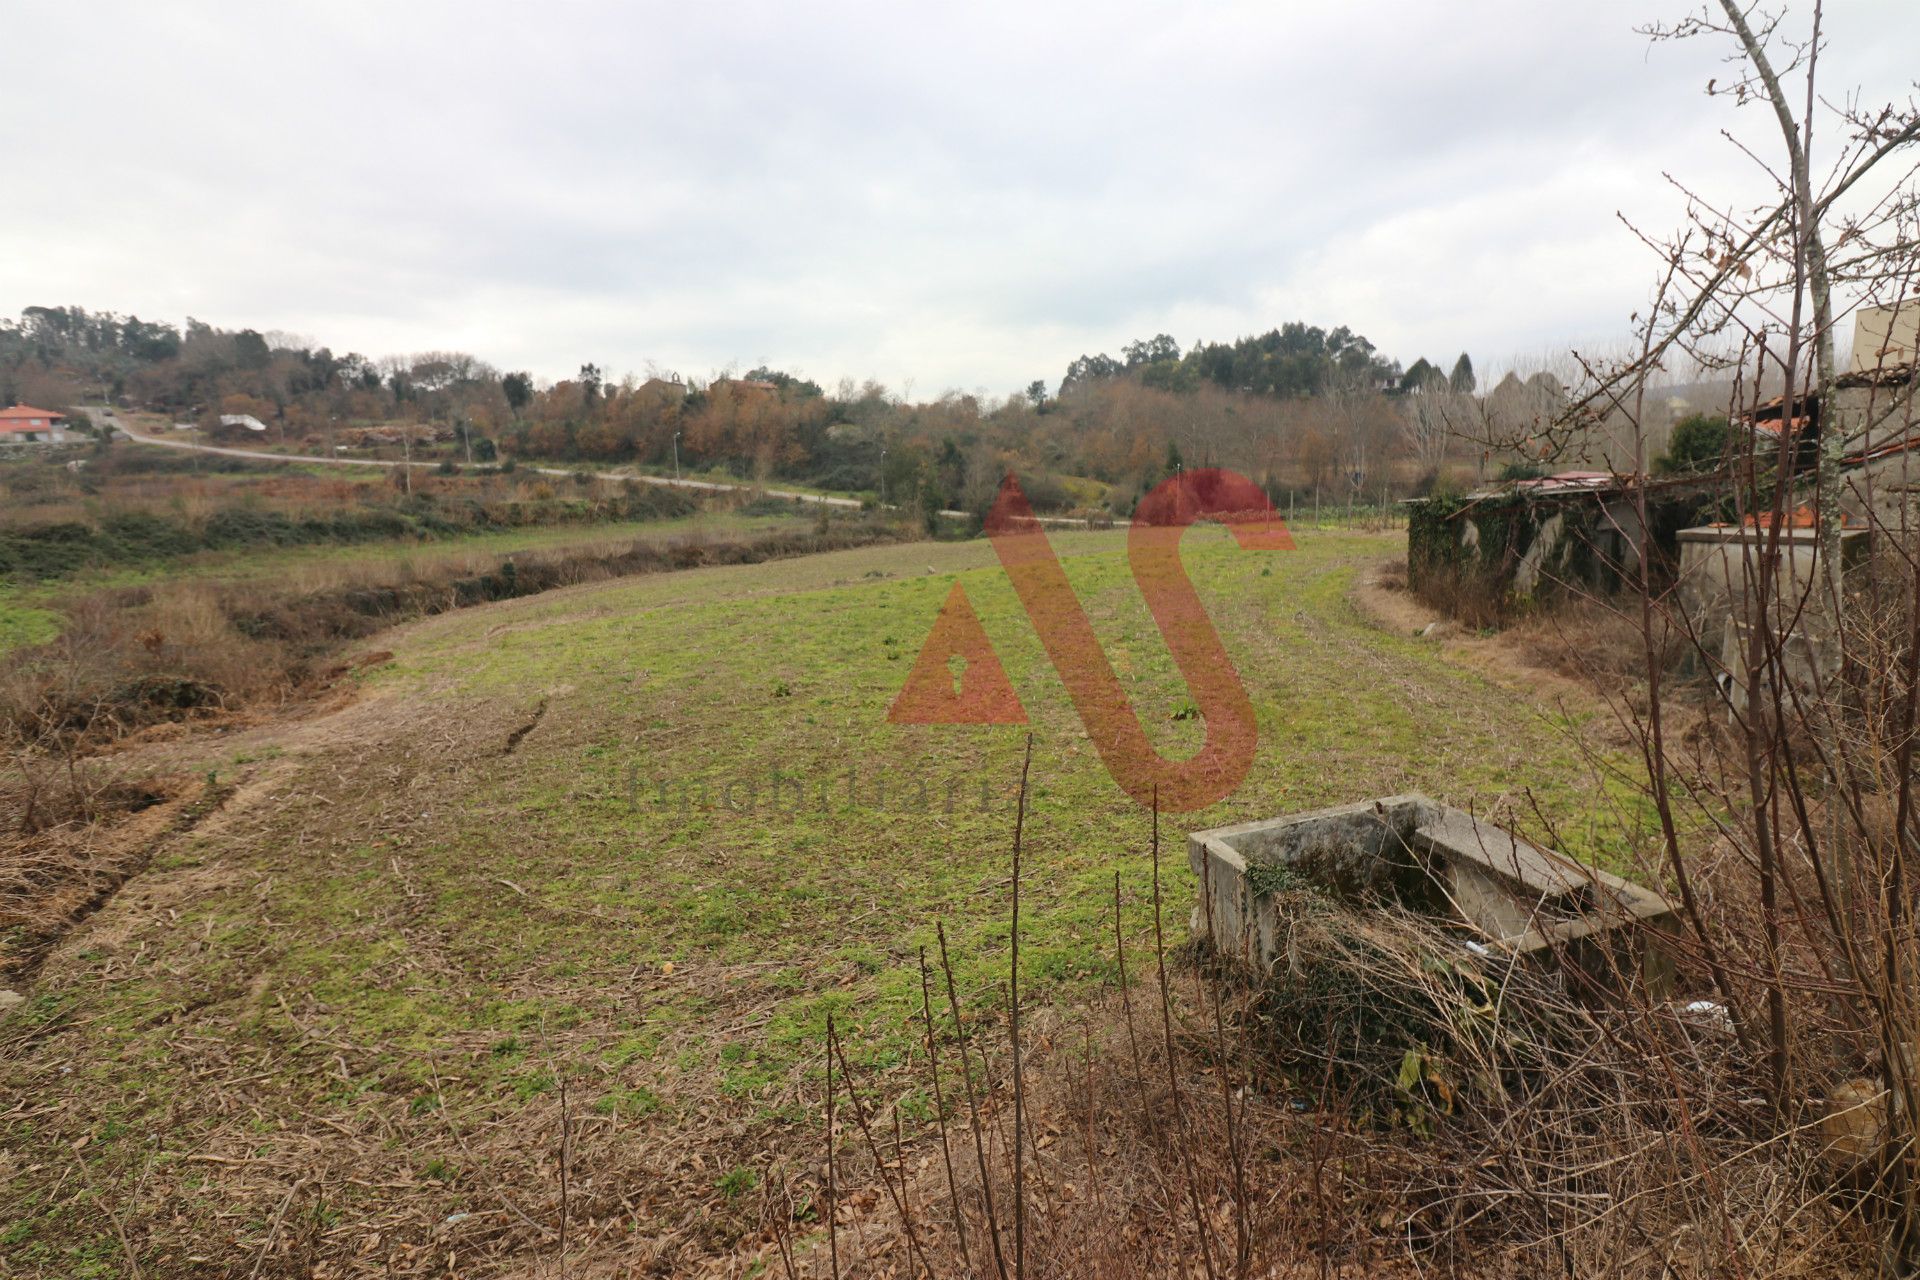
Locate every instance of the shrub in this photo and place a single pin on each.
(1698, 443)
(130, 658)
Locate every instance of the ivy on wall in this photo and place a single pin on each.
(1478, 545)
(1477, 541)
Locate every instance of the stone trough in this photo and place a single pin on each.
(1504, 894)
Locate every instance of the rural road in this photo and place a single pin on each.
(113, 420)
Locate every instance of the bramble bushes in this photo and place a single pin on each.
(130, 537)
(134, 657)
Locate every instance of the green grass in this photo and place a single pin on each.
(728, 786)
(24, 624)
(701, 679)
(711, 475)
(486, 925)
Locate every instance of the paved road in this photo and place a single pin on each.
(112, 420)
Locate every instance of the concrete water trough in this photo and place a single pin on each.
(1504, 894)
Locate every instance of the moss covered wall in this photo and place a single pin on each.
(1521, 547)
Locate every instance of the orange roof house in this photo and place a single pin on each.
(24, 424)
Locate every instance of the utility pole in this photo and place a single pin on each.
(676, 455)
(406, 443)
(883, 477)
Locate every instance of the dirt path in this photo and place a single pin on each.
(1513, 659)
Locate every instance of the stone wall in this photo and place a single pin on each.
(1503, 892)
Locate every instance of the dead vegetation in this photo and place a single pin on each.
(1390, 1102)
(75, 846)
(133, 657)
(1468, 598)
(1367, 1115)
(137, 505)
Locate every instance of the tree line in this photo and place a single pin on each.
(1312, 410)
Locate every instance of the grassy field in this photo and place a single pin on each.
(24, 623)
(615, 852)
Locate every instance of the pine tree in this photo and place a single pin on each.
(1462, 379)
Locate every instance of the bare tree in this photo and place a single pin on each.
(1796, 825)
(1432, 410)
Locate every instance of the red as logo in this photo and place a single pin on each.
(986, 696)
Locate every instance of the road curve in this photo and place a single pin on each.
(266, 456)
(110, 419)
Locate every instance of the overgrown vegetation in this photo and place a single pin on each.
(1487, 559)
(129, 657)
(135, 506)
(1388, 1094)
(1698, 443)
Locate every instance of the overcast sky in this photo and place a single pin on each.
(934, 196)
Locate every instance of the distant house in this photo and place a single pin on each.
(665, 388)
(24, 424)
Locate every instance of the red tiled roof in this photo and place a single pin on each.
(1798, 518)
(1801, 517)
(28, 411)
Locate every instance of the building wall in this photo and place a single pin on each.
(1524, 547)
(1884, 336)
(1720, 575)
(36, 435)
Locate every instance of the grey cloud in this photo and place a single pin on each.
(961, 197)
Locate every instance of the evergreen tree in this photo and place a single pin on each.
(1462, 379)
(518, 388)
(1421, 376)
(1698, 443)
